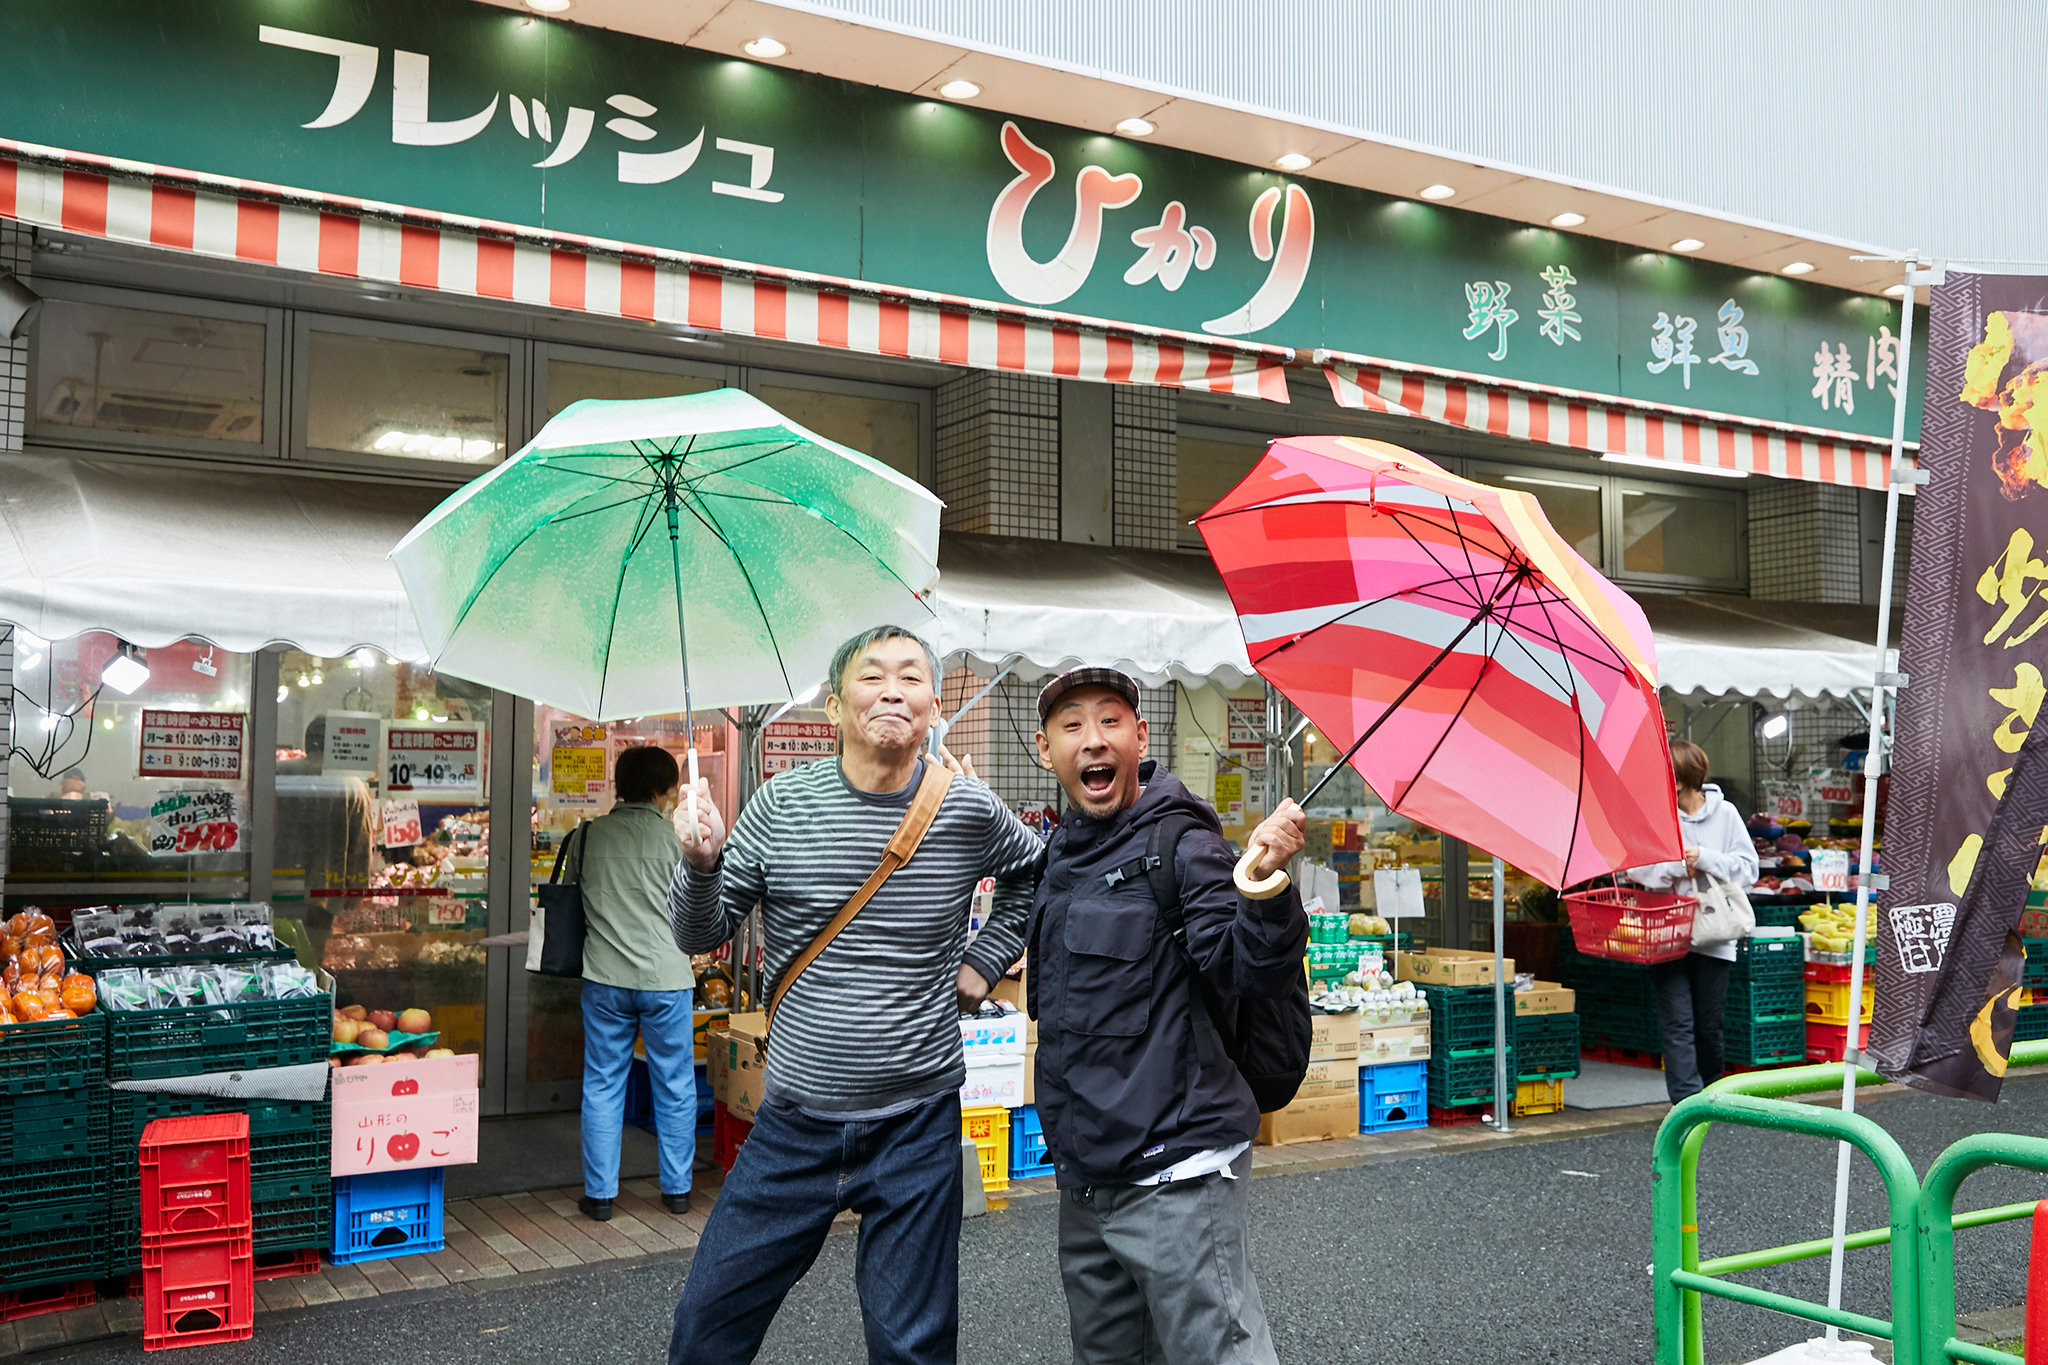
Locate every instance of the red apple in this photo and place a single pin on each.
(415, 1021)
(440, 1052)
(347, 1030)
(337, 1060)
(404, 1147)
(355, 1012)
(383, 1019)
(374, 1039)
(366, 1059)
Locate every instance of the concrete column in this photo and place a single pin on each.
(1805, 541)
(1087, 486)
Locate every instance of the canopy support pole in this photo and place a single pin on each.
(1503, 1084)
(1874, 765)
(939, 731)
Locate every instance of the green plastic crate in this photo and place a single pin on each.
(1464, 1077)
(2035, 972)
(1546, 1046)
(1765, 1042)
(1766, 999)
(49, 1243)
(54, 1125)
(1770, 916)
(2033, 1024)
(191, 1040)
(1769, 959)
(1462, 1016)
(53, 1054)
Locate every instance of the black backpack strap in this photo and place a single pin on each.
(1165, 880)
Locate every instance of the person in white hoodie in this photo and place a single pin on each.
(1692, 993)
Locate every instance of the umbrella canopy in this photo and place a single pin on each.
(664, 554)
(1488, 682)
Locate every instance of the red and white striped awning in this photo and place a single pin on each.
(1581, 421)
(358, 239)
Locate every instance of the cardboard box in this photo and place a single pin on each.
(1311, 1120)
(993, 1035)
(1450, 967)
(1010, 988)
(1547, 998)
(995, 1083)
(1393, 1043)
(1338, 1076)
(1332, 1035)
(1031, 1072)
(735, 1065)
(402, 1115)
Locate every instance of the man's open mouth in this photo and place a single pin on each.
(1099, 780)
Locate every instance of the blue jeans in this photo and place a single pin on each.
(612, 1016)
(901, 1175)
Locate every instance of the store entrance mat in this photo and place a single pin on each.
(1606, 1085)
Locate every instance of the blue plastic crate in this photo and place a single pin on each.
(1393, 1097)
(387, 1213)
(1028, 1156)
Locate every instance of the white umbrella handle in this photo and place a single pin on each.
(690, 799)
(1261, 889)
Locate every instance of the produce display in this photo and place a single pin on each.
(366, 1037)
(1833, 927)
(205, 983)
(34, 982)
(172, 930)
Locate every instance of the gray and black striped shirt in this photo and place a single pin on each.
(874, 1021)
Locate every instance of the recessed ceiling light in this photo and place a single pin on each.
(1568, 220)
(1136, 127)
(1799, 268)
(548, 6)
(1687, 244)
(767, 49)
(1294, 161)
(1897, 291)
(960, 90)
(1437, 191)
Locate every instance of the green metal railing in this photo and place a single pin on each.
(1921, 1235)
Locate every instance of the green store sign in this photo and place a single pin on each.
(462, 108)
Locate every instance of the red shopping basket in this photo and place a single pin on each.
(1630, 925)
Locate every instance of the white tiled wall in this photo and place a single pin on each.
(999, 454)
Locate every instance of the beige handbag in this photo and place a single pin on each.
(1724, 915)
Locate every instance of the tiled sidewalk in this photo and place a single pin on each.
(503, 1237)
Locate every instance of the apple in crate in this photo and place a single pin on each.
(374, 1039)
(365, 1059)
(415, 1021)
(440, 1052)
(356, 1012)
(347, 1030)
(383, 1019)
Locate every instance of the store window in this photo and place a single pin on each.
(1572, 506)
(574, 759)
(571, 381)
(383, 834)
(129, 781)
(884, 427)
(1208, 467)
(405, 399)
(1670, 531)
(1364, 836)
(169, 373)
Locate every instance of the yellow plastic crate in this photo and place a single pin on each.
(1537, 1097)
(990, 1131)
(1827, 1002)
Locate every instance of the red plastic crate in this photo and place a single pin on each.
(1837, 973)
(195, 1176)
(1458, 1115)
(280, 1265)
(728, 1135)
(36, 1300)
(1625, 924)
(1824, 1042)
(198, 1293)
(1624, 1056)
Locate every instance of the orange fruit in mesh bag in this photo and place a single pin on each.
(79, 994)
(28, 1005)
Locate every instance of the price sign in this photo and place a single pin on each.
(192, 744)
(1830, 869)
(434, 762)
(1398, 891)
(351, 743)
(186, 823)
(401, 823)
(792, 743)
(446, 910)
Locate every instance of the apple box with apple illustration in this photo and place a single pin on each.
(405, 1114)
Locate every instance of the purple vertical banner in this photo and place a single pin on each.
(1969, 790)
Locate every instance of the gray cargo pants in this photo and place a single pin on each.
(1161, 1274)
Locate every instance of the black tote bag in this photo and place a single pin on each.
(560, 917)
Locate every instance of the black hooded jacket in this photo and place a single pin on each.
(1120, 1091)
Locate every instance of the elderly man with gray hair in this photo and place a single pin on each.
(864, 869)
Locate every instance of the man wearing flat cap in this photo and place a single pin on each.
(1140, 946)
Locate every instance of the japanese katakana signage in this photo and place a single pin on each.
(508, 117)
(1969, 783)
(192, 744)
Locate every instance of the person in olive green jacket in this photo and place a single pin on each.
(636, 982)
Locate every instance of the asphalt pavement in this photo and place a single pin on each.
(1531, 1252)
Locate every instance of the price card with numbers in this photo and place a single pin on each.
(441, 763)
(192, 744)
(1830, 869)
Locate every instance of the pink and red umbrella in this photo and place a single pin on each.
(1486, 680)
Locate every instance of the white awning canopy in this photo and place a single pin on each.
(1720, 648)
(1049, 605)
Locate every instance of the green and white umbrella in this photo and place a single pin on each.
(667, 554)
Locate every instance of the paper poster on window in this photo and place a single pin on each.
(1398, 892)
(192, 744)
(441, 763)
(351, 742)
(576, 766)
(1247, 718)
(182, 824)
(1230, 798)
(792, 743)
(401, 823)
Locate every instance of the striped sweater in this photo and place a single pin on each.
(874, 1021)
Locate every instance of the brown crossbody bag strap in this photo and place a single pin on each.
(909, 834)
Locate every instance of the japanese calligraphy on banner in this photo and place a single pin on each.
(1969, 798)
(433, 762)
(182, 824)
(192, 744)
(792, 743)
(511, 118)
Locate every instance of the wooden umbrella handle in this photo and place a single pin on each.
(1262, 889)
